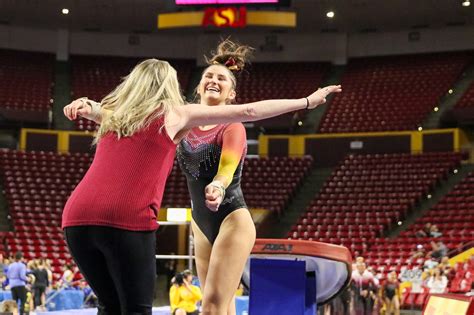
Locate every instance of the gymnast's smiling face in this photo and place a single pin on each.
(217, 86)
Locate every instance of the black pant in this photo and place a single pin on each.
(19, 293)
(38, 291)
(118, 264)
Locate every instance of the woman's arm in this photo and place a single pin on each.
(195, 291)
(86, 108)
(174, 297)
(233, 146)
(187, 117)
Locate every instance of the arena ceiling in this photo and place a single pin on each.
(140, 15)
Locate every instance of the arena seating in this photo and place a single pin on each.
(36, 186)
(467, 100)
(95, 77)
(266, 182)
(454, 217)
(392, 93)
(463, 277)
(366, 195)
(279, 80)
(26, 82)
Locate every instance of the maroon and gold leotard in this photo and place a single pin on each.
(202, 155)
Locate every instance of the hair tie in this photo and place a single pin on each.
(230, 64)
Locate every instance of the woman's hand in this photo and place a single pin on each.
(319, 97)
(77, 108)
(214, 196)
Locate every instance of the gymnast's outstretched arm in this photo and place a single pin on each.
(186, 117)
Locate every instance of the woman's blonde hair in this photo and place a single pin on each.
(8, 306)
(147, 93)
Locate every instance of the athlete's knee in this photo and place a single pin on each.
(214, 301)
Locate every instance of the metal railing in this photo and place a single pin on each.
(190, 255)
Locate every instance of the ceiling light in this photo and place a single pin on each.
(330, 14)
(436, 109)
(65, 11)
(466, 3)
(420, 128)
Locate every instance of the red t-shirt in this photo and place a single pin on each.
(123, 187)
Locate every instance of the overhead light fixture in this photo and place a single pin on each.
(65, 11)
(466, 3)
(436, 109)
(330, 14)
(420, 128)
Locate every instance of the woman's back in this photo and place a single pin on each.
(124, 186)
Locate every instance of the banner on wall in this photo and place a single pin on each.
(235, 17)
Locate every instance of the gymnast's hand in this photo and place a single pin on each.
(77, 107)
(213, 197)
(319, 97)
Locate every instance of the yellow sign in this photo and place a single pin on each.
(226, 18)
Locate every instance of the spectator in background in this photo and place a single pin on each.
(425, 231)
(67, 277)
(9, 307)
(3, 266)
(439, 250)
(364, 287)
(445, 266)
(391, 294)
(434, 231)
(430, 262)
(184, 296)
(29, 305)
(3, 282)
(419, 252)
(438, 282)
(17, 278)
(40, 285)
(47, 266)
(170, 270)
(6, 263)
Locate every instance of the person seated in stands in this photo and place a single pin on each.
(9, 307)
(419, 253)
(425, 231)
(434, 231)
(184, 296)
(439, 250)
(445, 267)
(438, 282)
(430, 262)
(391, 294)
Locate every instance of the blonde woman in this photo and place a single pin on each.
(110, 219)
